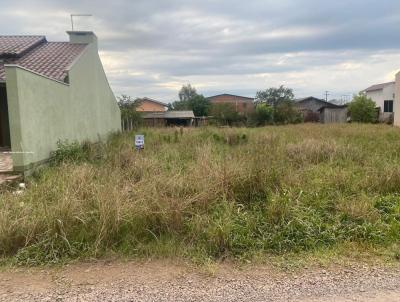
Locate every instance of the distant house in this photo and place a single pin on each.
(150, 105)
(311, 107)
(169, 118)
(50, 92)
(243, 105)
(383, 95)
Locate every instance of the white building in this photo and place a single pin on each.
(397, 100)
(383, 95)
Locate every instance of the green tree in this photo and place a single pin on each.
(225, 114)
(199, 104)
(128, 106)
(275, 96)
(262, 116)
(362, 109)
(187, 92)
(286, 113)
(281, 100)
(190, 100)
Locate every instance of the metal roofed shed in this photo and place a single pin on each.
(169, 118)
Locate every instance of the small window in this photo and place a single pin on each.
(388, 106)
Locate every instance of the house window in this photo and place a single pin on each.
(388, 106)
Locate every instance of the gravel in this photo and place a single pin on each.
(160, 281)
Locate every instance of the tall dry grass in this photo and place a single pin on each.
(211, 193)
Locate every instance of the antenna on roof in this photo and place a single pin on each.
(77, 15)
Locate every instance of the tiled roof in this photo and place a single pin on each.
(50, 59)
(378, 86)
(14, 46)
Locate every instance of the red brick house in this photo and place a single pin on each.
(243, 105)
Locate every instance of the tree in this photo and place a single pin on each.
(362, 109)
(275, 96)
(286, 113)
(262, 116)
(179, 105)
(199, 104)
(187, 92)
(128, 106)
(282, 102)
(225, 114)
(190, 100)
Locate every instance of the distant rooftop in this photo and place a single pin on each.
(378, 86)
(232, 95)
(153, 101)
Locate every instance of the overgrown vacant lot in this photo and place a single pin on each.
(212, 193)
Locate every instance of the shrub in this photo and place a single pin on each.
(225, 114)
(362, 109)
(262, 116)
(74, 152)
(286, 113)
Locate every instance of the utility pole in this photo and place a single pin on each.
(77, 15)
(326, 95)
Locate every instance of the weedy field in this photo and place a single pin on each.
(211, 193)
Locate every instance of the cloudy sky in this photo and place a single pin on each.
(152, 47)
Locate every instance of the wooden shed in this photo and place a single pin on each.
(330, 115)
(169, 118)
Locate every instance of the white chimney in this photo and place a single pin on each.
(82, 37)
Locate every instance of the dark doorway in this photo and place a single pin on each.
(178, 122)
(5, 142)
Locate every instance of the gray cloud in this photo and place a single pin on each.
(152, 47)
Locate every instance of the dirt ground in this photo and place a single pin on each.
(168, 281)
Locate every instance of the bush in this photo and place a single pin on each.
(362, 109)
(224, 114)
(74, 152)
(286, 113)
(262, 116)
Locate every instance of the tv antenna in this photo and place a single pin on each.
(77, 15)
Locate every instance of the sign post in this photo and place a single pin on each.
(139, 141)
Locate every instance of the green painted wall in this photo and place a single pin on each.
(43, 111)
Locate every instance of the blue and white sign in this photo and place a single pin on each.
(139, 141)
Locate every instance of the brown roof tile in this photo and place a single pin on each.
(50, 59)
(14, 46)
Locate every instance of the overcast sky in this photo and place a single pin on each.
(152, 47)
